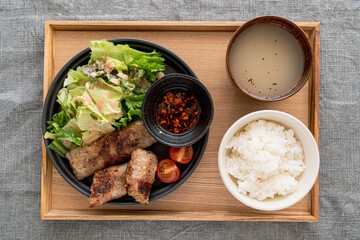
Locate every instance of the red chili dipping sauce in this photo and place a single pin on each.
(178, 111)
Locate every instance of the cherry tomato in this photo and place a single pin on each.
(182, 155)
(167, 171)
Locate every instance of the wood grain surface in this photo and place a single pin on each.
(202, 45)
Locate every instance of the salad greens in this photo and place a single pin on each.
(104, 95)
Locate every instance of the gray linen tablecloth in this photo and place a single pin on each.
(21, 76)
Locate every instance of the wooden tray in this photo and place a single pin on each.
(203, 196)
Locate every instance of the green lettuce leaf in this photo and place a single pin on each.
(76, 77)
(90, 127)
(60, 136)
(129, 85)
(73, 127)
(60, 133)
(58, 147)
(116, 64)
(132, 105)
(103, 100)
(59, 119)
(151, 66)
(67, 103)
(68, 111)
(152, 63)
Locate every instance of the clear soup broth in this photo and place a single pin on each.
(266, 60)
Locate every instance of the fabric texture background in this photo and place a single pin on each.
(21, 78)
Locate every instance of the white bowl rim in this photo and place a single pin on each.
(234, 127)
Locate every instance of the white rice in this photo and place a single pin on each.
(265, 158)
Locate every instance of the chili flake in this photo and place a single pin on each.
(178, 111)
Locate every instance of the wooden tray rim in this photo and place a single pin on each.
(47, 213)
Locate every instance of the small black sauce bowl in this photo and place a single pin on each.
(184, 82)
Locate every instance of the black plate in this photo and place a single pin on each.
(174, 64)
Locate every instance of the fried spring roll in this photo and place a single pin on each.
(108, 184)
(109, 150)
(140, 174)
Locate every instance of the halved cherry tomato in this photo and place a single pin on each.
(167, 171)
(181, 155)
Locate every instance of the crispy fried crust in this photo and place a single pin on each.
(109, 150)
(108, 184)
(140, 174)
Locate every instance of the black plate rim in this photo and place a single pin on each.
(78, 185)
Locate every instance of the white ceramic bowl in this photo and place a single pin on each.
(306, 179)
